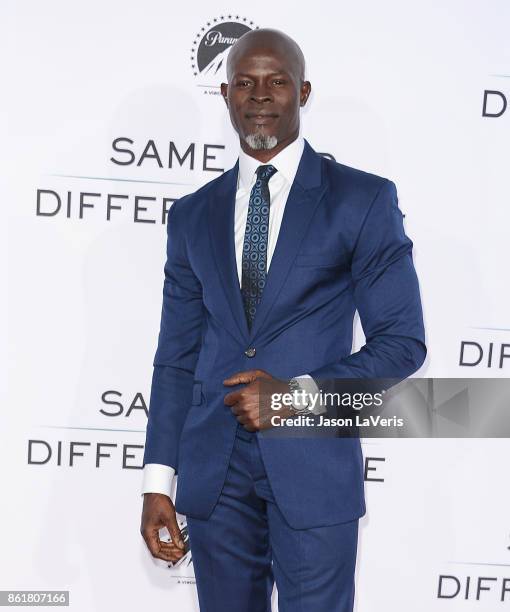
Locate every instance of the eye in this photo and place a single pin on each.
(278, 82)
(242, 83)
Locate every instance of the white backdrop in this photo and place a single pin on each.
(398, 90)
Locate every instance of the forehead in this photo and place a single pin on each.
(261, 59)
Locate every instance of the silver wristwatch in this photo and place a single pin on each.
(298, 410)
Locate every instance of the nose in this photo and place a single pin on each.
(260, 93)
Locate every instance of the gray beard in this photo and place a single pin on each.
(261, 141)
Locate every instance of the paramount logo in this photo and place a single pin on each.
(211, 46)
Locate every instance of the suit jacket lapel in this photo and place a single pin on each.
(306, 192)
(221, 230)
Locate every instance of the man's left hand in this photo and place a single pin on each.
(246, 403)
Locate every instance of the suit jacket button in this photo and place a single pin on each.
(250, 352)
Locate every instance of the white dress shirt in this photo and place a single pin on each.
(157, 478)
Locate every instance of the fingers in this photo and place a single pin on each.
(170, 552)
(158, 511)
(245, 377)
(242, 402)
(249, 422)
(166, 551)
(174, 531)
(232, 398)
(245, 411)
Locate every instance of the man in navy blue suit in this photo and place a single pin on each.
(266, 266)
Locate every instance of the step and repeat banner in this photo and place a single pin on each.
(110, 111)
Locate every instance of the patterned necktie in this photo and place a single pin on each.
(254, 261)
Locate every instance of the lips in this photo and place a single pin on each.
(261, 118)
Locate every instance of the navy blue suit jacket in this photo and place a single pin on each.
(341, 247)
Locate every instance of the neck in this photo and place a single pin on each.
(264, 155)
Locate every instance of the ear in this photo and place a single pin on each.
(306, 88)
(224, 92)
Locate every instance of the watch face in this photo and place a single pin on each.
(294, 384)
(301, 407)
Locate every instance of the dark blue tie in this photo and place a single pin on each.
(254, 261)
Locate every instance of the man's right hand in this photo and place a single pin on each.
(158, 512)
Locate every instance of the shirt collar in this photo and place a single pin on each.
(286, 162)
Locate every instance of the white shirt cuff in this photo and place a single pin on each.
(157, 478)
